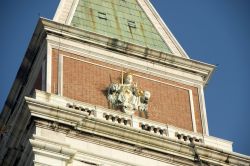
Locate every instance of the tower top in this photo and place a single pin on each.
(72, 86)
(131, 21)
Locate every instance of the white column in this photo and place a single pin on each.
(203, 110)
(48, 68)
(192, 110)
(60, 75)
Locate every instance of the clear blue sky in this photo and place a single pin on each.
(212, 31)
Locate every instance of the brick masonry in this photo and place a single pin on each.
(87, 80)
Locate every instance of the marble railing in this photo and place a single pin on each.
(138, 123)
(91, 112)
(117, 119)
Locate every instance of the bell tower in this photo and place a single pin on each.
(157, 61)
(106, 83)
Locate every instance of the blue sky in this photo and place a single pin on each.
(211, 31)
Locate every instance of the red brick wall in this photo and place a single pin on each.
(85, 81)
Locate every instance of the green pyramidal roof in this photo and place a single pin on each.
(121, 19)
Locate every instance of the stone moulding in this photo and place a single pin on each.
(75, 34)
(98, 125)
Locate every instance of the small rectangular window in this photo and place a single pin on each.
(102, 15)
(131, 24)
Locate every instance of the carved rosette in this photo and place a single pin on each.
(127, 96)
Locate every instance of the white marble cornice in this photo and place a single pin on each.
(44, 107)
(73, 34)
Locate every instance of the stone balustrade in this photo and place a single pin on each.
(153, 129)
(142, 124)
(135, 122)
(117, 119)
(188, 138)
(91, 112)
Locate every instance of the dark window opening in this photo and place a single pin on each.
(131, 24)
(102, 15)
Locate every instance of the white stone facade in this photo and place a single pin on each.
(68, 132)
